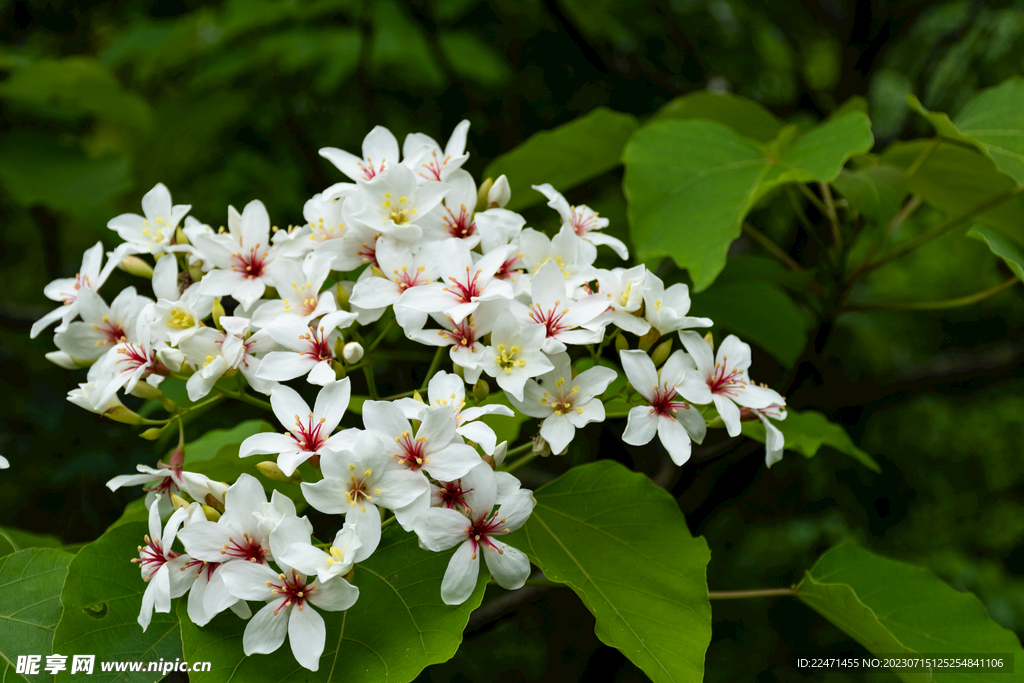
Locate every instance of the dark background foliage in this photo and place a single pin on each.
(229, 101)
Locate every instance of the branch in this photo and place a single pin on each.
(933, 305)
(758, 593)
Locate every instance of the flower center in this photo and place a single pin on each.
(459, 225)
(133, 356)
(200, 566)
(308, 434)
(251, 265)
(368, 251)
(662, 403)
(462, 334)
(152, 557)
(482, 529)
(405, 278)
(551, 318)
(724, 381)
(583, 220)
(369, 171)
(322, 233)
(413, 452)
(248, 548)
(508, 269)
(506, 360)
(80, 281)
(304, 298)
(318, 349)
(337, 555)
(181, 319)
(562, 404)
(453, 495)
(359, 489)
(433, 167)
(466, 291)
(113, 332)
(402, 212)
(292, 589)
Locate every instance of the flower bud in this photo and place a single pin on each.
(353, 352)
(152, 434)
(341, 296)
(621, 343)
(62, 360)
(177, 460)
(481, 389)
(271, 470)
(499, 194)
(481, 194)
(212, 514)
(417, 397)
(133, 265)
(648, 339)
(541, 446)
(339, 370)
(710, 340)
(498, 456)
(179, 237)
(218, 311)
(211, 501)
(195, 271)
(171, 358)
(178, 502)
(377, 272)
(123, 415)
(147, 391)
(661, 352)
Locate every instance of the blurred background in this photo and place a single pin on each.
(226, 102)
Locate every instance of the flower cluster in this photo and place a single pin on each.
(412, 240)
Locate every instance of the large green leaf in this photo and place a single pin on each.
(1011, 252)
(891, 607)
(957, 179)
(877, 192)
(474, 59)
(566, 156)
(398, 626)
(807, 431)
(12, 540)
(30, 583)
(691, 183)
(993, 122)
(746, 117)
(102, 597)
(622, 545)
(209, 444)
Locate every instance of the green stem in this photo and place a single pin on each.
(806, 222)
(774, 249)
(434, 365)
(371, 381)
(760, 593)
(936, 305)
(521, 462)
(518, 449)
(246, 398)
(404, 394)
(381, 336)
(387, 522)
(813, 198)
(830, 211)
(921, 158)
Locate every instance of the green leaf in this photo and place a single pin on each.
(691, 183)
(12, 540)
(30, 583)
(74, 86)
(399, 47)
(807, 431)
(566, 156)
(209, 444)
(993, 122)
(745, 116)
(957, 180)
(878, 192)
(891, 607)
(474, 59)
(505, 428)
(102, 597)
(1003, 247)
(621, 543)
(135, 511)
(398, 626)
(759, 313)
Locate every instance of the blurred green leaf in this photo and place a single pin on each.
(398, 627)
(745, 116)
(891, 607)
(753, 268)
(1011, 252)
(474, 59)
(631, 559)
(30, 582)
(878, 192)
(691, 183)
(566, 156)
(400, 48)
(807, 431)
(12, 540)
(209, 444)
(102, 597)
(73, 87)
(993, 122)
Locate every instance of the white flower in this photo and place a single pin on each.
(311, 351)
(393, 204)
(467, 350)
(498, 227)
(623, 291)
(463, 493)
(725, 380)
(92, 275)
(154, 231)
(464, 285)
(442, 528)
(125, 365)
(675, 422)
(310, 430)
(298, 284)
(563, 402)
(403, 271)
(176, 315)
(380, 150)
(665, 309)
(4, 463)
(424, 155)
(242, 258)
(563, 249)
(347, 548)
(450, 391)
(161, 481)
(290, 598)
(213, 353)
(101, 326)
(161, 567)
(774, 440)
(557, 313)
(514, 355)
(358, 477)
(584, 221)
(457, 211)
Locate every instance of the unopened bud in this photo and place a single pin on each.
(63, 360)
(417, 397)
(377, 272)
(212, 501)
(133, 265)
(177, 460)
(648, 339)
(481, 389)
(123, 415)
(178, 502)
(147, 391)
(489, 459)
(481, 194)
(710, 340)
(271, 470)
(171, 358)
(179, 237)
(661, 352)
(341, 296)
(218, 311)
(621, 344)
(499, 194)
(339, 370)
(541, 446)
(459, 372)
(353, 352)
(152, 434)
(212, 514)
(195, 270)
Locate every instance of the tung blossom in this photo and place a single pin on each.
(91, 275)
(161, 567)
(242, 258)
(514, 355)
(154, 231)
(584, 221)
(310, 350)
